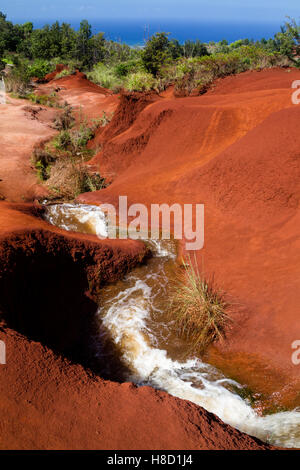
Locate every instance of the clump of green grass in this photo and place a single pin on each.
(60, 164)
(198, 308)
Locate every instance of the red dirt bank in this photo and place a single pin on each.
(235, 149)
(83, 95)
(22, 127)
(48, 402)
(49, 279)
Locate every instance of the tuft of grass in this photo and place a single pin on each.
(199, 309)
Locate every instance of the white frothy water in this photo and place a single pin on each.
(77, 217)
(128, 317)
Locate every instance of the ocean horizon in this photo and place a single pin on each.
(134, 32)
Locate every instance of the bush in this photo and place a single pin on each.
(198, 308)
(140, 81)
(198, 73)
(39, 68)
(60, 164)
(17, 81)
(63, 140)
(125, 68)
(105, 77)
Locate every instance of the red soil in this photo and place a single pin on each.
(82, 94)
(235, 149)
(22, 127)
(59, 68)
(48, 283)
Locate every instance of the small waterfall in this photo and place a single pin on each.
(133, 316)
(2, 92)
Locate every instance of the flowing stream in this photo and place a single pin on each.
(132, 315)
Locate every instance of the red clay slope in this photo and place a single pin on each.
(22, 127)
(82, 94)
(237, 150)
(47, 280)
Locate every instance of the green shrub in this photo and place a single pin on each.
(63, 140)
(73, 141)
(140, 81)
(199, 73)
(39, 68)
(124, 68)
(80, 137)
(104, 76)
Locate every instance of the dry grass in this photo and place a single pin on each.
(68, 179)
(65, 119)
(198, 308)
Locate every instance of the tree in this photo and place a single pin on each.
(175, 49)
(9, 36)
(288, 40)
(55, 40)
(194, 49)
(97, 45)
(156, 53)
(68, 41)
(24, 45)
(40, 43)
(83, 49)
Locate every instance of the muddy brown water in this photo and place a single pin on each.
(133, 316)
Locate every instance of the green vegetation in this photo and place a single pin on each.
(65, 73)
(198, 308)
(191, 66)
(60, 164)
(104, 76)
(140, 81)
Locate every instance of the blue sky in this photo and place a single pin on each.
(254, 11)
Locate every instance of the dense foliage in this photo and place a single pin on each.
(193, 64)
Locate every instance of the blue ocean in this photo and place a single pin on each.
(134, 32)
